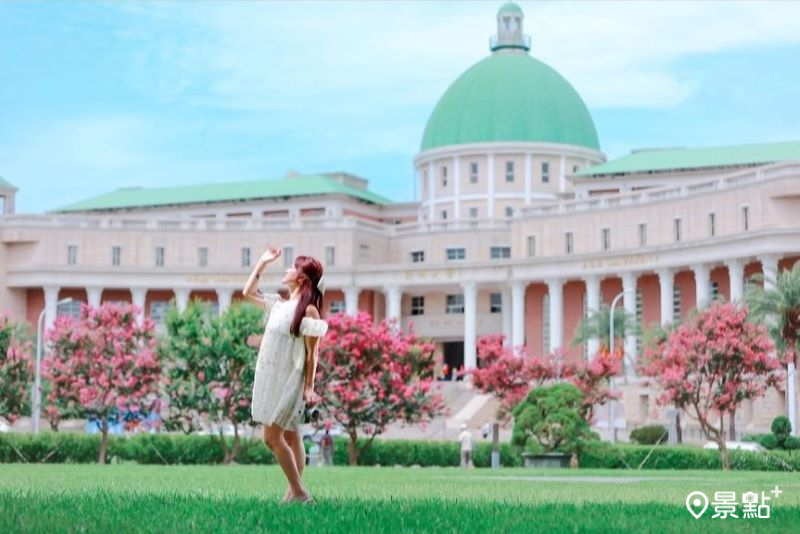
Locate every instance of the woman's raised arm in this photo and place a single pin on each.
(250, 291)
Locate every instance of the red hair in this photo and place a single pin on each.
(309, 271)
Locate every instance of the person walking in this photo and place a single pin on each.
(327, 448)
(465, 438)
(287, 360)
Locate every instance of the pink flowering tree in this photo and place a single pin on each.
(370, 376)
(210, 368)
(16, 370)
(509, 374)
(710, 364)
(102, 361)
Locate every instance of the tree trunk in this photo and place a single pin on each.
(678, 433)
(723, 451)
(236, 445)
(352, 447)
(732, 426)
(103, 442)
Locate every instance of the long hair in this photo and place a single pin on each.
(309, 271)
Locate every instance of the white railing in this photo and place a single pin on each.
(738, 179)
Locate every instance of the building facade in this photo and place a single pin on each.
(522, 228)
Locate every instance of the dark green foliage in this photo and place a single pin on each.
(650, 435)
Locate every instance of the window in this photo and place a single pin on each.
(712, 224)
(473, 213)
(116, 256)
(71, 309)
(246, 257)
(606, 238)
(456, 254)
(531, 246)
(444, 176)
(495, 303)
(417, 305)
(546, 324)
(745, 218)
(509, 211)
(202, 256)
(158, 311)
(568, 242)
(545, 172)
(574, 169)
(509, 171)
(418, 256)
(455, 304)
(676, 302)
(288, 256)
(473, 172)
(330, 257)
(337, 306)
(72, 254)
(677, 230)
(444, 215)
(642, 235)
(498, 253)
(159, 256)
(363, 251)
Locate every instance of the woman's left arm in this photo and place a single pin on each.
(312, 356)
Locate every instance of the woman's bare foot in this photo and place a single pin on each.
(287, 495)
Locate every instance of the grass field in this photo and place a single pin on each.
(133, 498)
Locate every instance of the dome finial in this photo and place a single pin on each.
(509, 30)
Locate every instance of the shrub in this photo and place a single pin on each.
(650, 435)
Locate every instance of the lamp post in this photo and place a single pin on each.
(612, 416)
(37, 394)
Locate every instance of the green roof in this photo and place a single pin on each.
(655, 160)
(5, 184)
(510, 97)
(136, 197)
(509, 7)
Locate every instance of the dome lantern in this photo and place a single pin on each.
(509, 36)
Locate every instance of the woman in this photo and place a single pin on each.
(287, 362)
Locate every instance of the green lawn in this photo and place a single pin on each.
(133, 498)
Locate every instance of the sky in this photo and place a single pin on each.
(95, 96)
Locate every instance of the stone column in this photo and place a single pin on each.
(181, 298)
(505, 303)
(666, 282)
(223, 299)
(93, 296)
(138, 298)
(490, 185)
(393, 297)
(769, 267)
(555, 288)
(592, 307)
(629, 303)
(517, 313)
(351, 300)
(736, 278)
(470, 290)
(702, 285)
(456, 187)
(50, 305)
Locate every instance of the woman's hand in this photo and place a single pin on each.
(310, 397)
(272, 254)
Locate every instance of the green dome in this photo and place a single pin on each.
(510, 97)
(509, 7)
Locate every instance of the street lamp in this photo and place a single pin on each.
(37, 394)
(613, 406)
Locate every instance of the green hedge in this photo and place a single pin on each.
(181, 449)
(604, 455)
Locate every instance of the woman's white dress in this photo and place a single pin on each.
(278, 385)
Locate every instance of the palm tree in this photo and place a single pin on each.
(779, 308)
(598, 325)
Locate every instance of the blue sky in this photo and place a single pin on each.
(101, 95)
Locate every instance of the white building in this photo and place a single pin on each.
(522, 228)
